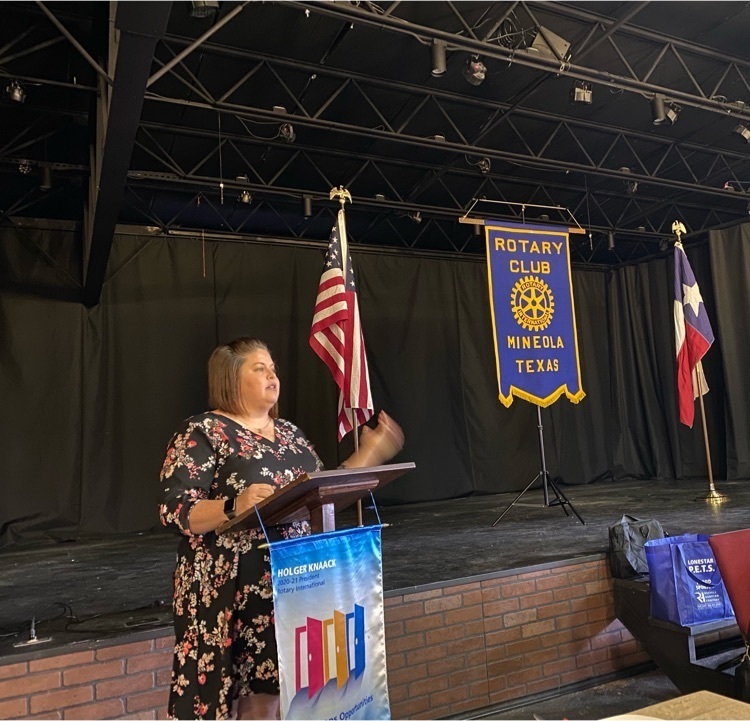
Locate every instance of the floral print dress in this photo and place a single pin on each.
(223, 602)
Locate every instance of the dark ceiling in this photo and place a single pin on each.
(288, 99)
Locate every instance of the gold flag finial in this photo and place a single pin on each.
(342, 194)
(678, 229)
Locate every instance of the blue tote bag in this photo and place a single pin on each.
(686, 586)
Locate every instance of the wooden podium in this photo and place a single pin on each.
(317, 497)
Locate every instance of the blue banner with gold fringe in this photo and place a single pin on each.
(533, 318)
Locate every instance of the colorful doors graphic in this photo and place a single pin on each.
(334, 648)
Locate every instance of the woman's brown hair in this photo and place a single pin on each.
(224, 375)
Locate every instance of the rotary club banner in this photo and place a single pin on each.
(330, 630)
(533, 318)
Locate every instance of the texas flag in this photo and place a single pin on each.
(692, 333)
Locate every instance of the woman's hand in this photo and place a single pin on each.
(253, 495)
(207, 515)
(377, 445)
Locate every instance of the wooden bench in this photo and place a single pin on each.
(674, 648)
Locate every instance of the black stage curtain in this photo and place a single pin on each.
(730, 270)
(91, 396)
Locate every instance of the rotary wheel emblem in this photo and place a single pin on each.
(532, 303)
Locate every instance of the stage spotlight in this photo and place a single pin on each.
(610, 240)
(416, 217)
(203, 8)
(286, 131)
(662, 112)
(477, 229)
(245, 197)
(581, 92)
(24, 167)
(484, 165)
(46, 181)
(743, 131)
(663, 244)
(306, 206)
(16, 92)
(658, 111)
(630, 185)
(544, 218)
(439, 65)
(549, 45)
(474, 70)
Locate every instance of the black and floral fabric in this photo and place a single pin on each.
(223, 603)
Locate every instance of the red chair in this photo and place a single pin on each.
(732, 552)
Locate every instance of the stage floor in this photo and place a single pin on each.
(102, 587)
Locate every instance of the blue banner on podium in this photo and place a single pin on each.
(330, 631)
(533, 318)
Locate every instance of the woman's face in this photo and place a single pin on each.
(259, 384)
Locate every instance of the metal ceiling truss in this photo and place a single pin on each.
(389, 170)
(501, 111)
(691, 174)
(656, 162)
(706, 96)
(117, 113)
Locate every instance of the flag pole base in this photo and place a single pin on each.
(715, 498)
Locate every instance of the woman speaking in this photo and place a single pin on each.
(220, 464)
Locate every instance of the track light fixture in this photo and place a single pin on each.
(203, 8)
(245, 197)
(16, 92)
(439, 64)
(474, 70)
(581, 92)
(662, 112)
(306, 206)
(286, 131)
(45, 183)
(743, 131)
(610, 240)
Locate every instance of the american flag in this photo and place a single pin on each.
(336, 333)
(693, 336)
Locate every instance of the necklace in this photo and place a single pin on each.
(260, 430)
(238, 419)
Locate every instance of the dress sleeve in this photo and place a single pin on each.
(302, 441)
(186, 476)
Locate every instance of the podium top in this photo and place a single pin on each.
(339, 488)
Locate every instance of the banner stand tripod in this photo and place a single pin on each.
(547, 482)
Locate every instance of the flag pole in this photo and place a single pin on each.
(353, 417)
(699, 387)
(713, 497)
(343, 195)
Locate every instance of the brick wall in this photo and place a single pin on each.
(450, 650)
(122, 681)
(459, 648)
